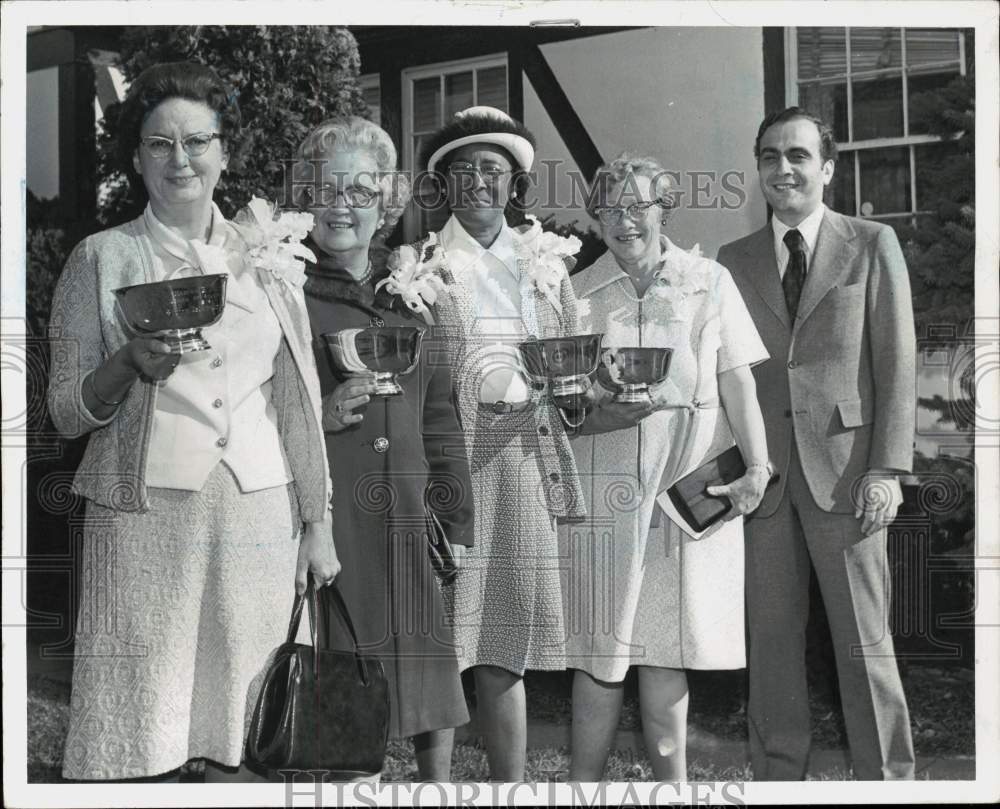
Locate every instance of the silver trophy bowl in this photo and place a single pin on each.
(632, 370)
(175, 311)
(381, 352)
(563, 362)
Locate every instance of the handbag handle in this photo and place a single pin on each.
(315, 616)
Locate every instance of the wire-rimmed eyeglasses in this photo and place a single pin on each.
(356, 196)
(610, 215)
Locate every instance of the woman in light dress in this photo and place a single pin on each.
(639, 588)
(205, 480)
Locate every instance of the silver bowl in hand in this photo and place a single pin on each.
(563, 362)
(175, 311)
(631, 371)
(379, 352)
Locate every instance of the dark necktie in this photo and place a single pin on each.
(795, 270)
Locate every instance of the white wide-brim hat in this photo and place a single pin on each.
(483, 125)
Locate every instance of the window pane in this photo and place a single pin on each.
(426, 104)
(843, 185)
(457, 93)
(921, 84)
(927, 46)
(373, 98)
(829, 102)
(822, 52)
(885, 181)
(945, 171)
(878, 108)
(875, 48)
(492, 87)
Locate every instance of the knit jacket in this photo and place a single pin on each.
(86, 328)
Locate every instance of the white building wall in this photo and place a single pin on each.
(691, 97)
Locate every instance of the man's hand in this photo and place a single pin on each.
(878, 497)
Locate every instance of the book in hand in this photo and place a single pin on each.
(690, 500)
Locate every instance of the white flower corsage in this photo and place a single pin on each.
(414, 278)
(273, 240)
(547, 266)
(677, 285)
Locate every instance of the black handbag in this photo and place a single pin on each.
(439, 550)
(318, 708)
(699, 509)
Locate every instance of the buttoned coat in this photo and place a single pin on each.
(399, 468)
(843, 372)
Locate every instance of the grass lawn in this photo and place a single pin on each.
(942, 715)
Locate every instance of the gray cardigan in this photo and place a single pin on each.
(85, 329)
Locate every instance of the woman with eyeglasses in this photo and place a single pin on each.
(400, 473)
(640, 590)
(503, 285)
(205, 482)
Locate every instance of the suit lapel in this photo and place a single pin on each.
(762, 270)
(835, 250)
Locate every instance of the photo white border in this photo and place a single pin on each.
(17, 15)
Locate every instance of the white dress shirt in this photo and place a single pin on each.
(492, 275)
(808, 227)
(216, 406)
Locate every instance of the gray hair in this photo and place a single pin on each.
(619, 169)
(352, 132)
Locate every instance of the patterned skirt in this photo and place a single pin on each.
(506, 601)
(180, 608)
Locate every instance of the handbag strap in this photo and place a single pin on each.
(296, 619)
(316, 617)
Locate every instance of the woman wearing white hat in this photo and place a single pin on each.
(501, 286)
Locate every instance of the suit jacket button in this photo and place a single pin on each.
(543, 430)
(788, 414)
(380, 444)
(554, 477)
(792, 363)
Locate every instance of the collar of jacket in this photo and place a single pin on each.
(328, 281)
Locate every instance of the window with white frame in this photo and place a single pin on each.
(861, 82)
(432, 94)
(371, 91)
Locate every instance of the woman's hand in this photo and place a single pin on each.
(341, 401)
(107, 385)
(317, 555)
(148, 358)
(578, 401)
(746, 493)
(611, 415)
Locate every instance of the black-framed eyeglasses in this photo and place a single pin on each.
(356, 196)
(194, 145)
(490, 173)
(613, 215)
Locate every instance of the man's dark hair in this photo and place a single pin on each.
(827, 142)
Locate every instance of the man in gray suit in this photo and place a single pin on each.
(830, 297)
